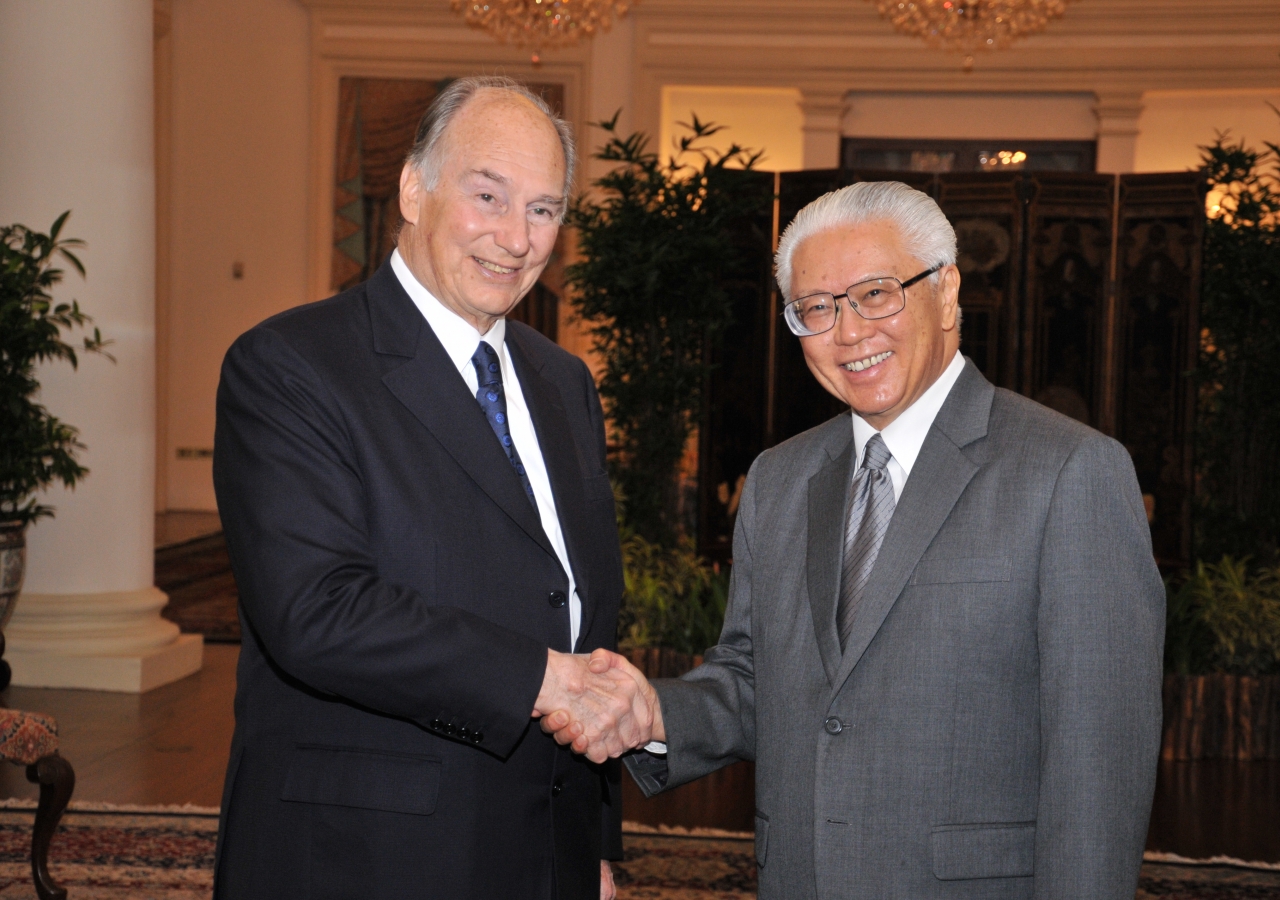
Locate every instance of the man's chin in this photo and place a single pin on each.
(867, 399)
(873, 407)
(495, 305)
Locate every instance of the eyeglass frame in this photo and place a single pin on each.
(915, 279)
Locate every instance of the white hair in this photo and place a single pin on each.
(425, 154)
(926, 233)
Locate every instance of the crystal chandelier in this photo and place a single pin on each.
(541, 23)
(970, 25)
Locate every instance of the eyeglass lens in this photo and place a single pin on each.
(874, 299)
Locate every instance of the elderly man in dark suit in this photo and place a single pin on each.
(943, 643)
(422, 530)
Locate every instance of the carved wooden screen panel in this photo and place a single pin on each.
(1161, 232)
(986, 211)
(377, 120)
(1079, 290)
(1068, 267)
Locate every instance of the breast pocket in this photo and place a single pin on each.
(995, 850)
(963, 570)
(363, 779)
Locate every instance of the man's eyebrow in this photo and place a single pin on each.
(546, 199)
(492, 176)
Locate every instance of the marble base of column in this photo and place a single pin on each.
(105, 642)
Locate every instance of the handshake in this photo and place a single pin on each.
(600, 705)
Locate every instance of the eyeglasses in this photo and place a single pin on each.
(875, 298)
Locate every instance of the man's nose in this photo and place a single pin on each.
(512, 234)
(850, 327)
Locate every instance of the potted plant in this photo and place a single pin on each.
(660, 252)
(36, 449)
(1238, 429)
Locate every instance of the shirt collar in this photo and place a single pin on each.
(905, 435)
(459, 337)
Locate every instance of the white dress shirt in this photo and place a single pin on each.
(460, 341)
(905, 435)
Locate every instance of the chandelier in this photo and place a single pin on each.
(541, 23)
(968, 26)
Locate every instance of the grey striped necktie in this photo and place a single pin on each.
(870, 510)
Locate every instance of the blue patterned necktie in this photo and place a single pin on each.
(870, 510)
(494, 403)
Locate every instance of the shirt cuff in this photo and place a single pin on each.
(658, 747)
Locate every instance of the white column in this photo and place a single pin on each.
(76, 132)
(823, 111)
(610, 90)
(1117, 114)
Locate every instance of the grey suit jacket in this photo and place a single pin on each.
(992, 728)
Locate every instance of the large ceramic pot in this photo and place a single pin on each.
(13, 564)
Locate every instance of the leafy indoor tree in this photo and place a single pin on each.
(1238, 427)
(1224, 617)
(660, 254)
(36, 449)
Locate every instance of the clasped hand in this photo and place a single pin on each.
(600, 705)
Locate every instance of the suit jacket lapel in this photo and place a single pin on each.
(938, 478)
(560, 455)
(828, 494)
(430, 387)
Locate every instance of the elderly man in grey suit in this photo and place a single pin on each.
(943, 643)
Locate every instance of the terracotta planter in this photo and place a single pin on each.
(13, 565)
(661, 662)
(1221, 717)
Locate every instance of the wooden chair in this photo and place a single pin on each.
(31, 740)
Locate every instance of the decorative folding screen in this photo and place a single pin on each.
(1078, 290)
(377, 121)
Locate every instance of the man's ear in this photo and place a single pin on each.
(410, 193)
(949, 297)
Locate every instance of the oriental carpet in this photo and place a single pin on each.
(104, 852)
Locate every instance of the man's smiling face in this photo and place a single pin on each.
(896, 359)
(481, 237)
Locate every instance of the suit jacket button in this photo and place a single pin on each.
(451, 729)
(435, 725)
(477, 737)
(832, 725)
(465, 733)
(556, 599)
(556, 787)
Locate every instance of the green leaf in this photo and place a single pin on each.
(36, 449)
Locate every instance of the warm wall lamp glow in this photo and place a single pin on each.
(969, 26)
(541, 23)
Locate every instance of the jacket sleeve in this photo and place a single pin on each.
(1100, 633)
(709, 714)
(291, 498)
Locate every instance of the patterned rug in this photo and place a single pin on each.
(105, 852)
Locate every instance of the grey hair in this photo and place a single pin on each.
(424, 155)
(925, 231)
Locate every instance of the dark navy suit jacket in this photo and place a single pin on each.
(397, 599)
